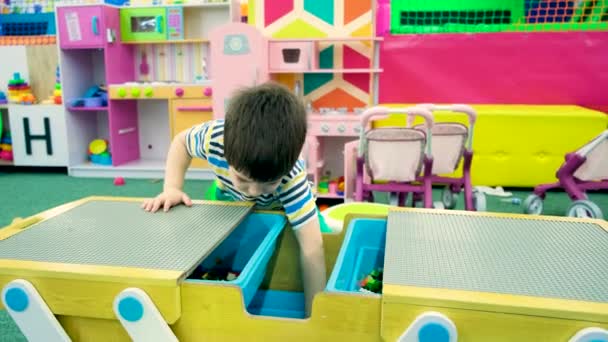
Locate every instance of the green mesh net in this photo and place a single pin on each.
(453, 16)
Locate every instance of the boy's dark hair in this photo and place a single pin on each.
(264, 131)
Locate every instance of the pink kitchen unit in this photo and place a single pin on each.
(239, 58)
(328, 134)
(82, 27)
(91, 54)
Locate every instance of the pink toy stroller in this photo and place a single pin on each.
(391, 159)
(453, 143)
(585, 169)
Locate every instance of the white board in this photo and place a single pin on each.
(36, 116)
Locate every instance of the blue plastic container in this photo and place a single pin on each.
(101, 159)
(362, 251)
(116, 2)
(247, 250)
(27, 24)
(276, 303)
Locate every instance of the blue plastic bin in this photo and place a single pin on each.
(277, 303)
(362, 251)
(27, 24)
(247, 250)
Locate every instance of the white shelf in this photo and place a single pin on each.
(96, 3)
(150, 169)
(166, 42)
(328, 39)
(186, 5)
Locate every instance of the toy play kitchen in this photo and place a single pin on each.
(152, 24)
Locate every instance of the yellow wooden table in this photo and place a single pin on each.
(440, 266)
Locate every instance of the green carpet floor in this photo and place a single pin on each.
(24, 194)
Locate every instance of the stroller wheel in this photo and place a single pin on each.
(533, 205)
(438, 205)
(393, 199)
(479, 201)
(584, 208)
(448, 197)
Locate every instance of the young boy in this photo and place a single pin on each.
(254, 153)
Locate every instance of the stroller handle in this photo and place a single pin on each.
(409, 111)
(458, 108)
(383, 112)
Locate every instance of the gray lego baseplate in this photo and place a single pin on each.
(118, 233)
(517, 256)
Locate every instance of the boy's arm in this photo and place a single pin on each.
(178, 161)
(312, 260)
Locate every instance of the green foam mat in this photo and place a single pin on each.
(516, 256)
(117, 233)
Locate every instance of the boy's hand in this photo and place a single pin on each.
(167, 199)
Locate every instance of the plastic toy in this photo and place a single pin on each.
(453, 144)
(119, 181)
(57, 92)
(94, 97)
(391, 159)
(219, 272)
(55, 98)
(6, 147)
(3, 99)
(27, 99)
(323, 207)
(99, 152)
(372, 282)
(19, 91)
(27, 21)
(335, 216)
(584, 169)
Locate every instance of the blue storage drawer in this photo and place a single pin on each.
(276, 303)
(362, 251)
(246, 250)
(27, 24)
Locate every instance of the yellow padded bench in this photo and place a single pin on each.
(521, 145)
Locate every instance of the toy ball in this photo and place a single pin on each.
(119, 181)
(6, 155)
(98, 146)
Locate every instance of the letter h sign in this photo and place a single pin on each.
(39, 135)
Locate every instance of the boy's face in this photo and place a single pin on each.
(250, 187)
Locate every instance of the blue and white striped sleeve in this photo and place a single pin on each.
(297, 198)
(197, 140)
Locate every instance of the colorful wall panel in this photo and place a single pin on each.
(496, 68)
(324, 19)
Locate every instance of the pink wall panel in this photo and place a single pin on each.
(525, 68)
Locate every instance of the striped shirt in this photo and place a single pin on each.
(294, 193)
